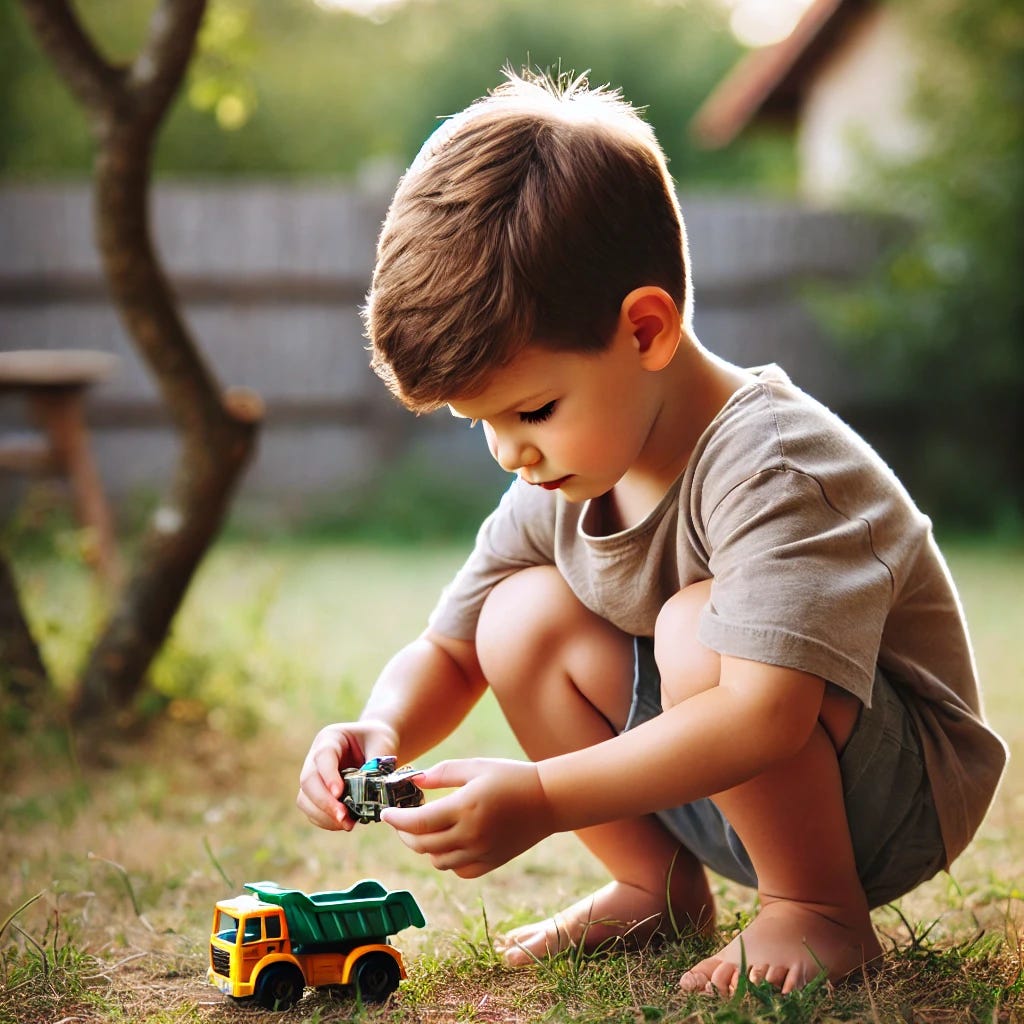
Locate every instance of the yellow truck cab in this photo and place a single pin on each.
(270, 943)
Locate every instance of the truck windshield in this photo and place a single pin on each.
(226, 927)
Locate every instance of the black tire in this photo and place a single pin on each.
(280, 987)
(376, 977)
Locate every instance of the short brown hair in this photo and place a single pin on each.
(525, 219)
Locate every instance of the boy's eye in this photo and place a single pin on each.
(538, 415)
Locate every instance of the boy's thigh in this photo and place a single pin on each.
(893, 823)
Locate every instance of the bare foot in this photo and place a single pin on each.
(786, 945)
(617, 912)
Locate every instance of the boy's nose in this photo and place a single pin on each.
(511, 455)
(528, 456)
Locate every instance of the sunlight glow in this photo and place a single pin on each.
(763, 22)
(753, 22)
(375, 10)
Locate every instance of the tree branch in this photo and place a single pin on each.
(156, 73)
(96, 84)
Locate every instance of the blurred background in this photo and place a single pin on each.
(851, 172)
(852, 178)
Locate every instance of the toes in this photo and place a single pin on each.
(518, 954)
(758, 973)
(724, 978)
(719, 977)
(698, 978)
(796, 978)
(522, 947)
(713, 977)
(694, 981)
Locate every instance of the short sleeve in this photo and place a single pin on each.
(795, 582)
(518, 534)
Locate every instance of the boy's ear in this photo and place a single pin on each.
(650, 315)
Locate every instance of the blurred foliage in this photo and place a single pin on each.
(939, 326)
(412, 501)
(285, 87)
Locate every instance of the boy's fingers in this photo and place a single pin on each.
(431, 778)
(326, 765)
(447, 774)
(464, 863)
(331, 816)
(317, 802)
(420, 844)
(472, 869)
(316, 786)
(418, 821)
(445, 851)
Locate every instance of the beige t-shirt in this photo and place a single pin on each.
(819, 561)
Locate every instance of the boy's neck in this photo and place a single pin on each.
(691, 392)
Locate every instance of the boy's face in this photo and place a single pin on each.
(567, 421)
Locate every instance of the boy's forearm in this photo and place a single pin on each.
(712, 742)
(422, 694)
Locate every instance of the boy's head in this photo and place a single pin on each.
(525, 219)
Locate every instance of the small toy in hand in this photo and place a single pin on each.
(377, 785)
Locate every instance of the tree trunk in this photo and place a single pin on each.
(218, 432)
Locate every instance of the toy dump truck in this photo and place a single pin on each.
(270, 943)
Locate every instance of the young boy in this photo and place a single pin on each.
(716, 622)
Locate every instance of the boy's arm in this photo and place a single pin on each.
(421, 695)
(757, 715)
(424, 692)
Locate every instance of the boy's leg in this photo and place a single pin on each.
(792, 822)
(563, 678)
(814, 913)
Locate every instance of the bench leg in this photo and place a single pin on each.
(61, 417)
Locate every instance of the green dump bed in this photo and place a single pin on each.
(364, 912)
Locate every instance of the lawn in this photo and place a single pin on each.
(130, 846)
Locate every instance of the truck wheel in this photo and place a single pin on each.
(377, 976)
(280, 987)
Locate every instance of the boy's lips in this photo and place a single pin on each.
(551, 485)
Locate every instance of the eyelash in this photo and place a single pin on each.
(538, 415)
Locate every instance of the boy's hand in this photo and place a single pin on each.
(498, 810)
(338, 746)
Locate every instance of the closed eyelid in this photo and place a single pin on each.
(538, 415)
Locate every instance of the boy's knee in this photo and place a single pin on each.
(541, 648)
(685, 664)
(522, 616)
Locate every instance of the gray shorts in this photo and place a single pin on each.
(896, 839)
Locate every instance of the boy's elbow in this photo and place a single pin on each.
(458, 654)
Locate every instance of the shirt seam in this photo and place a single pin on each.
(787, 465)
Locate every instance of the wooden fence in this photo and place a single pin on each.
(271, 277)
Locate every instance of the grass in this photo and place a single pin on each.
(110, 861)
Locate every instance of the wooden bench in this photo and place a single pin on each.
(54, 383)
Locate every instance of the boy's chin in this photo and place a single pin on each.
(577, 491)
